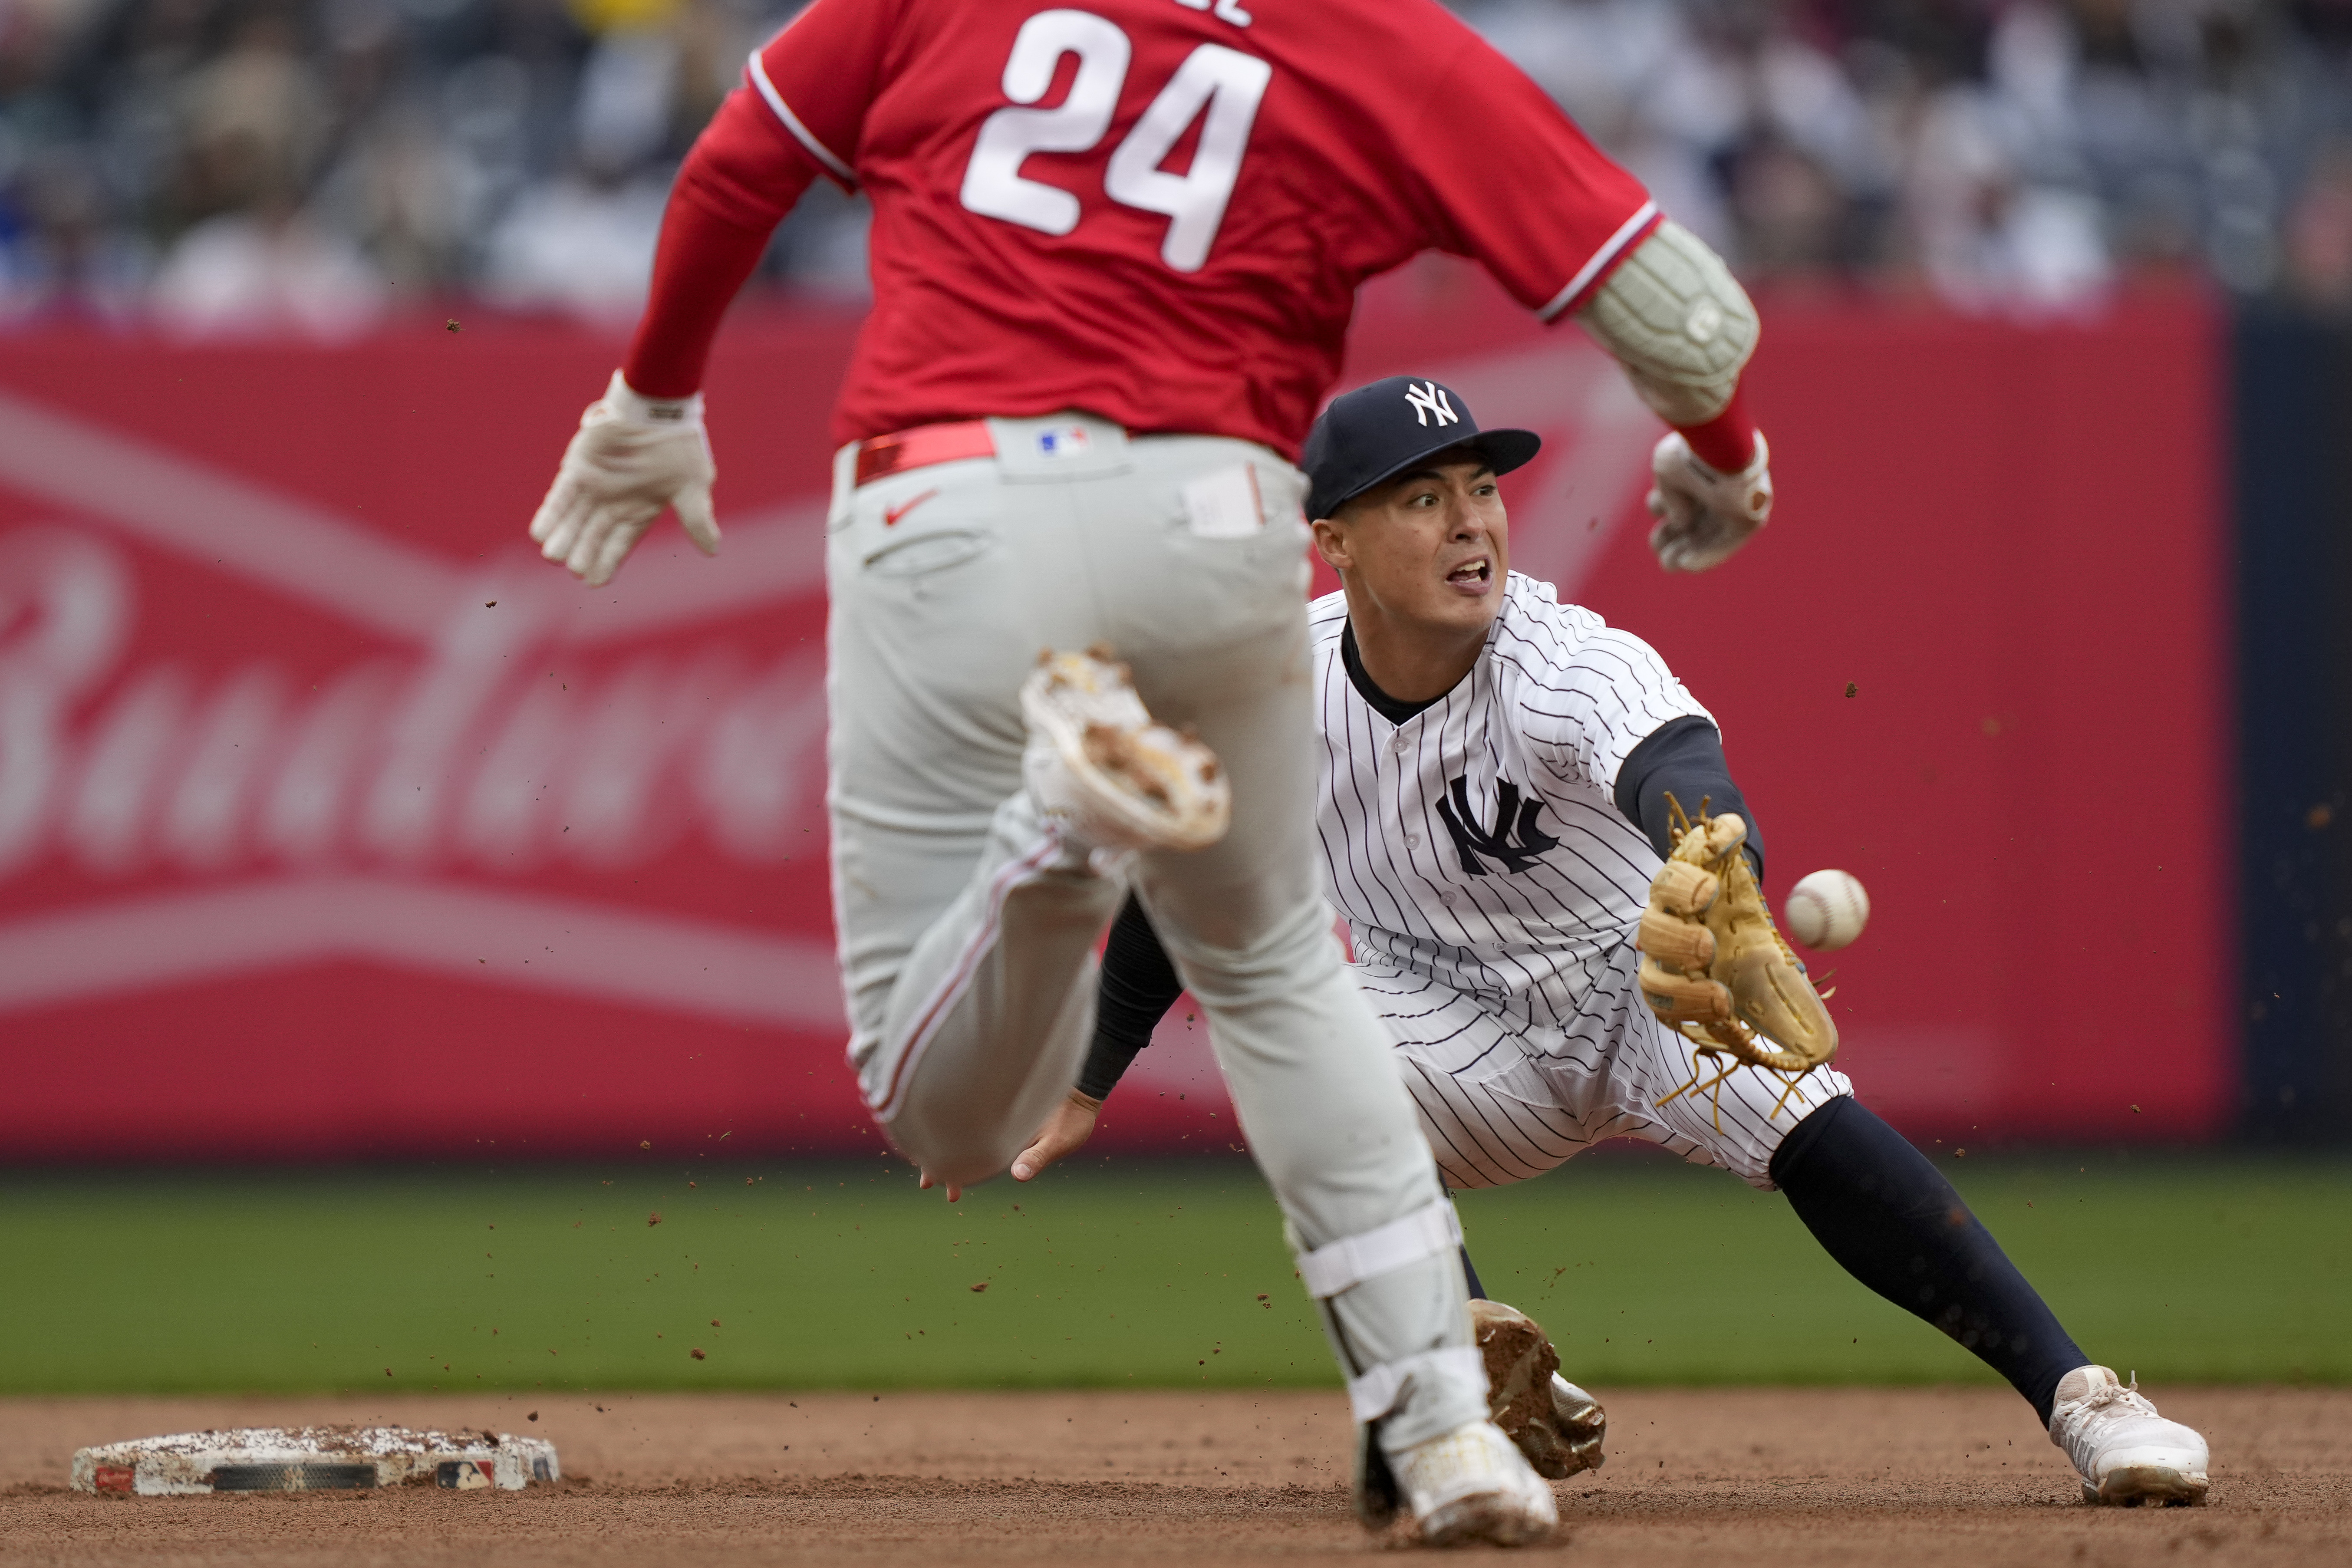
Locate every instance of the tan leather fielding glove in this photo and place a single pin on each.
(1715, 968)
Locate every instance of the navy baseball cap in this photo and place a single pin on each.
(1376, 432)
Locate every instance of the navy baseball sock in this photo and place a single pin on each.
(1470, 1271)
(1891, 1221)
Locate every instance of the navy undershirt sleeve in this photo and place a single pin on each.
(1139, 985)
(1683, 758)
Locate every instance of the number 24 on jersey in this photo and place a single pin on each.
(1225, 83)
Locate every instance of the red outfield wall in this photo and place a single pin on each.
(332, 824)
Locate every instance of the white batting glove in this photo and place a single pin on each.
(632, 456)
(1702, 515)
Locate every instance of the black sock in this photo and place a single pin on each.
(1889, 1217)
(1469, 1269)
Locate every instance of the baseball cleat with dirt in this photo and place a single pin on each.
(1555, 1424)
(1471, 1484)
(2127, 1454)
(1098, 762)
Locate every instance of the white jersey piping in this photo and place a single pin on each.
(817, 150)
(1585, 274)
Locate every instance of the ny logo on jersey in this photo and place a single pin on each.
(1428, 400)
(1511, 816)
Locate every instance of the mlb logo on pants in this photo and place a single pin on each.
(1062, 441)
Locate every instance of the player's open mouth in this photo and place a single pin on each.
(1471, 574)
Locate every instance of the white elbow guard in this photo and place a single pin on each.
(1682, 326)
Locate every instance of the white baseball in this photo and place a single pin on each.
(1827, 910)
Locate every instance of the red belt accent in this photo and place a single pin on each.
(881, 456)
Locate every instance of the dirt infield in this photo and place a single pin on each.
(1700, 1477)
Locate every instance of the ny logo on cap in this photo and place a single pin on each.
(1431, 399)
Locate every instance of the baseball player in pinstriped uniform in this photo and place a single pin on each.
(1114, 247)
(1495, 778)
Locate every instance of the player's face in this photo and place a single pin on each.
(1428, 548)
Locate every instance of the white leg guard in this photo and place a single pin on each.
(1368, 1287)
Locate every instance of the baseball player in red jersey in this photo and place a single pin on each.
(1114, 253)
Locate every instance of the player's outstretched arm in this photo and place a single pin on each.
(642, 446)
(1566, 229)
(1674, 316)
(1139, 985)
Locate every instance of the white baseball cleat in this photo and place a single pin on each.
(1116, 779)
(1471, 1484)
(2127, 1452)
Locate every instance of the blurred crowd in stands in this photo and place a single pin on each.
(232, 166)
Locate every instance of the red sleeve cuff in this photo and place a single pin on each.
(1726, 442)
(699, 267)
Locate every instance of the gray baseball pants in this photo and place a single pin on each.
(968, 927)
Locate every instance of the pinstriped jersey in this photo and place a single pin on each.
(1478, 843)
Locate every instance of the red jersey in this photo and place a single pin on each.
(1159, 211)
